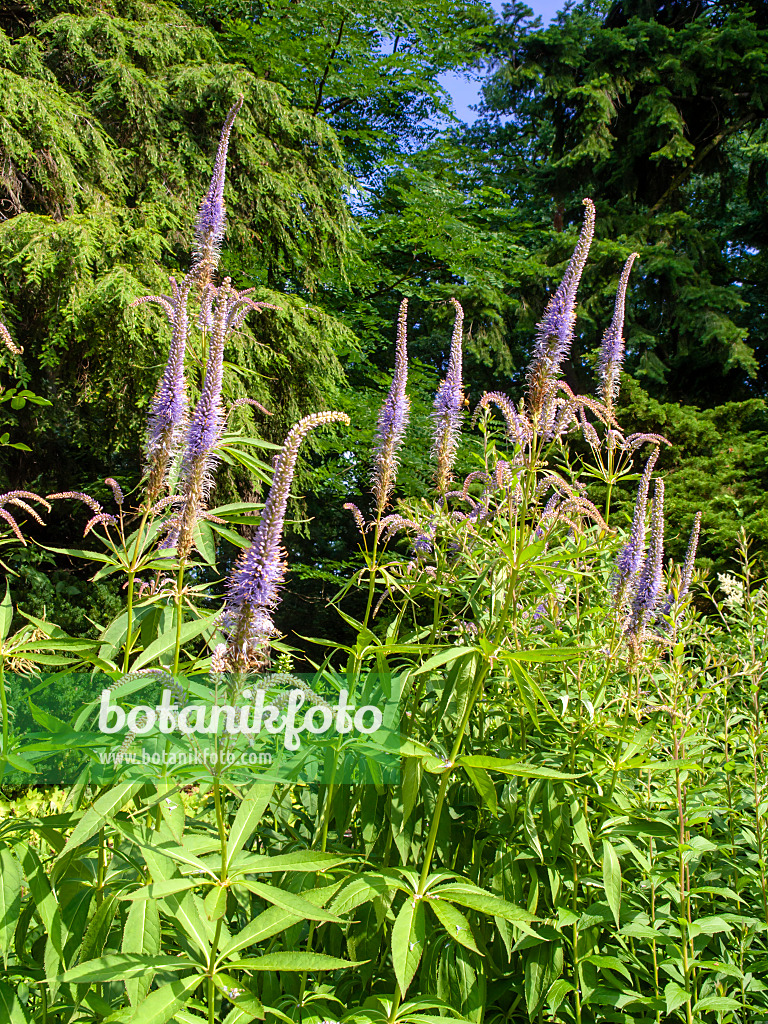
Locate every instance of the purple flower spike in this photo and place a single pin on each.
(649, 583)
(169, 404)
(357, 515)
(92, 504)
(207, 421)
(687, 571)
(393, 420)
(448, 407)
(203, 432)
(612, 351)
(253, 588)
(690, 557)
(116, 490)
(631, 555)
(211, 216)
(167, 414)
(17, 498)
(555, 333)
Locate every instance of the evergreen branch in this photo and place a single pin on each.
(698, 159)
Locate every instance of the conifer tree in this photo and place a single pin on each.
(656, 108)
(109, 118)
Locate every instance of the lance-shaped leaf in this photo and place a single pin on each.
(10, 899)
(248, 816)
(94, 818)
(163, 1004)
(408, 936)
(141, 935)
(124, 965)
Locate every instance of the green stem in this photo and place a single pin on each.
(323, 843)
(617, 751)
(477, 687)
(3, 706)
(131, 579)
(398, 997)
(609, 483)
(483, 671)
(372, 581)
(179, 617)
(223, 881)
(576, 979)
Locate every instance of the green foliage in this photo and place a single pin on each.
(369, 69)
(578, 829)
(718, 462)
(642, 107)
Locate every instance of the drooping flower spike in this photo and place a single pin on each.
(92, 504)
(612, 350)
(20, 500)
(476, 476)
(555, 332)
(518, 427)
(117, 490)
(7, 340)
(448, 407)
(99, 517)
(103, 518)
(357, 515)
(251, 401)
(253, 589)
(392, 524)
(393, 420)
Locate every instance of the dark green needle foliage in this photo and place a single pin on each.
(110, 114)
(657, 110)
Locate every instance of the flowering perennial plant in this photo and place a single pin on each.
(393, 419)
(253, 588)
(555, 332)
(567, 840)
(449, 402)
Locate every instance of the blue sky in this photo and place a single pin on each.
(464, 92)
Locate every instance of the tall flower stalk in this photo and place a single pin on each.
(168, 410)
(211, 216)
(555, 332)
(631, 555)
(207, 421)
(169, 407)
(448, 408)
(393, 420)
(253, 589)
(686, 573)
(609, 372)
(612, 349)
(649, 581)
